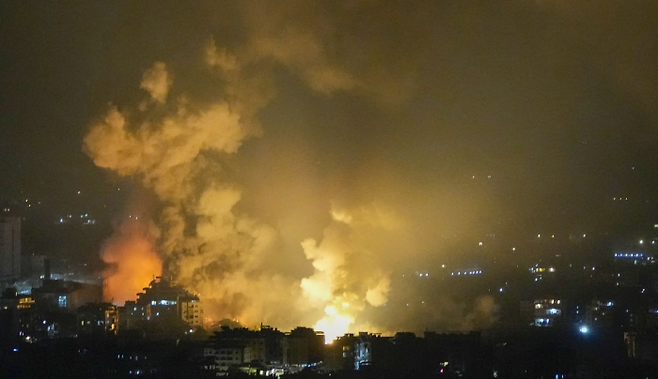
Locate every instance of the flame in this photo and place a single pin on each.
(334, 324)
(133, 262)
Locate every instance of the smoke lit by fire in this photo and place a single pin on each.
(132, 262)
(255, 245)
(347, 273)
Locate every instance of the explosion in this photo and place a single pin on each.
(206, 244)
(333, 324)
(346, 276)
(182, 143)
(177, 147)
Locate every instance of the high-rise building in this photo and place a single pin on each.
(10, 248)
(163, 300)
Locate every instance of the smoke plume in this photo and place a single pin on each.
(177, 154)
(178, 148)
(270, 134)
(288, 229)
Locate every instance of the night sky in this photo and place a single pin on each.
(452, 120)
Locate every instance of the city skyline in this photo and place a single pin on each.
(303, 155)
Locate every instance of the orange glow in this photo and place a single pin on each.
(334, 324)
(133, 262)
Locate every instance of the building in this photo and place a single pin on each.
(453, 353)
(600, 314)
(632, 258)
(406, 355)
(16, 315)
(303, 347)
(339, 355)
(10, 248)
(50, 311)
(373, 350)
(191, 311)
(97, 319)
(236, 350)
(163, 300)
(541, 312)
(228, 355)
(63, 295)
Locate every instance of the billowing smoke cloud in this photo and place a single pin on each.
(395, 137)
(204, 244)
(178, 147)
(348, 272)
(257, 125)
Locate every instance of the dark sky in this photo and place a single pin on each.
(454, 118)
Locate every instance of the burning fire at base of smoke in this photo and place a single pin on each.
(132, 262)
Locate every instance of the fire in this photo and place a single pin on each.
(133, 263)
(333, 324)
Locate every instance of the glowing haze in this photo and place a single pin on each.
(175, 147)
(132, 261)
(178, 142)
(302, 156)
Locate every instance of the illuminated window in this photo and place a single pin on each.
(62, 301)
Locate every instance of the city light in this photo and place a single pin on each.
(471, 272)
(303, 164)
